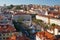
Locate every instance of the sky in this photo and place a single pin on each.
(41, 2)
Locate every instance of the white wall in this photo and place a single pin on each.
(37, 38)
(42, 18)
(55, 31)
(45, 19)
(59, 33)
(50, 31)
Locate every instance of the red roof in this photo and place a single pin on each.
(6, 28)
(45, 34)
(13, 37)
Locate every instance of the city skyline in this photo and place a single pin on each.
(40, 2)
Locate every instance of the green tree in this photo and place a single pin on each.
(18, 7)
(53, 24)
(10, 7)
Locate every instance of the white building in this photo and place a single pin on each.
(54, 30)
(45, 19)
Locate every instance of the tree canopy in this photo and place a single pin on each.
(10, 7)
(53, 24)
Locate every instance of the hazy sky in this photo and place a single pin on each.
(41, 2)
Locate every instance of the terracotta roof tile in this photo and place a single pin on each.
(6, 28)
(46, 35)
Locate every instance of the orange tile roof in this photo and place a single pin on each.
(6, 28)
(13, 37)
(48, 35)
(45, 34)
(40, 34)
(19, 38)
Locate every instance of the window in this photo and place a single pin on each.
(0, 34)
(7, 33)
(3, 34)
(59, 31)
(3, 38)
(28, 19)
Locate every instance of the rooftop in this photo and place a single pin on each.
(45, 35)
(7, 28)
